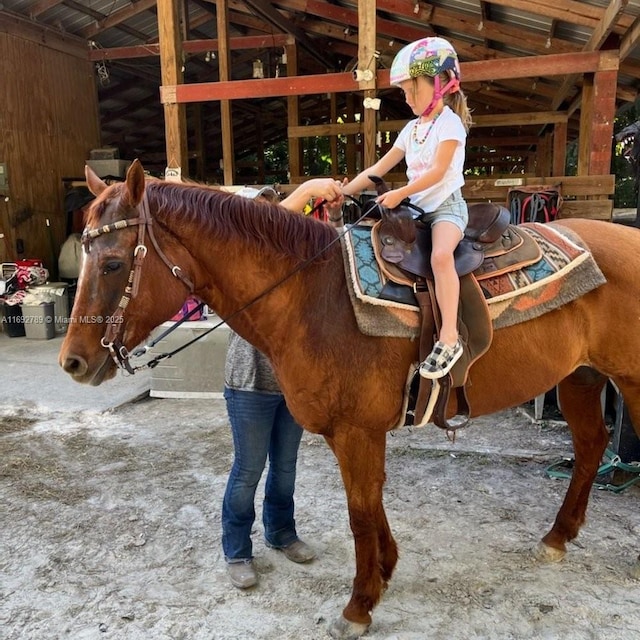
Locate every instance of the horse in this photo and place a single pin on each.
(279, 281)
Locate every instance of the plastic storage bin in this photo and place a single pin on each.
(58, 292)
(38, 321)
(12, 322)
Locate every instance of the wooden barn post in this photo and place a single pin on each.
(171, 65)
(224, 66)
(597, 115)
(293, 114)
(367, 63)
(559, 148)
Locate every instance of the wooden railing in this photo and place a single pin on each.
(583, 196)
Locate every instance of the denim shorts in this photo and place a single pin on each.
(453, 209)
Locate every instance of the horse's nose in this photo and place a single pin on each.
(74, 365)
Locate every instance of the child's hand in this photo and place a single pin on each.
(391, 199)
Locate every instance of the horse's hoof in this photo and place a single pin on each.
(544, 553)
(343, 629)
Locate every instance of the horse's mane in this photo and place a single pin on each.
(228, 216)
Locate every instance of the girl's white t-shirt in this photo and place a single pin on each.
(419, 157)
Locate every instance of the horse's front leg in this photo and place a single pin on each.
(579, 396)
(361, 456)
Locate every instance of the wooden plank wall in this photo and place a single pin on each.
(584, 196)
(48, 124)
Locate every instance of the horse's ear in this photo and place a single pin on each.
(134, 184)
(95, 184)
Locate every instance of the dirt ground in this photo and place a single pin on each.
(111, 529)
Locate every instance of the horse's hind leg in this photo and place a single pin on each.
(361, 457)
(579, 396)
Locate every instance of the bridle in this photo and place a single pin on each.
(112, 339)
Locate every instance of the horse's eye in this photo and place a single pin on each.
(111, 267)
(388, 240)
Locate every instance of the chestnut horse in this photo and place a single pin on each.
(279, 280)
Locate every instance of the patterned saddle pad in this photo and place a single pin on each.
(565, 272)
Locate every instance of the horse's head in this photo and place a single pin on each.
(397, 231)
(120, 271)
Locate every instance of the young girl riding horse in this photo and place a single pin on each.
(433, 146)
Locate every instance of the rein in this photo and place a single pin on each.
(112, 338)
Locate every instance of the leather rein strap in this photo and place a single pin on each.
(112, 338)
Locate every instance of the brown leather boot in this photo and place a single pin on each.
(242, 574)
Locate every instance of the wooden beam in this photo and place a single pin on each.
(226, 117)
(347, 17)
(333, 141)
(604, 110)
(44, 5)
(293, 116)
(559, 149)
(192, 46)
(200, 147)
(322, 130)
(494, 120)
(262, 88)
(531, 66)
(267, 11)
(586, 118)
(470, 25)
(594, 209)
(514, 119)
(544, 155)
(172, 74)
(496, 141)
(606, 24)
(528, 66)
(630, 39)
(18, 26)
(578, 186)
(490, 157)
(367, 63)
(571, 11)
(599, 35)
(117, 17)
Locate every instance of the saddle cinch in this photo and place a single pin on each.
(490, 247)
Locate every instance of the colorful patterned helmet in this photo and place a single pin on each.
(426, 57)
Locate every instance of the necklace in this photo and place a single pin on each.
(414, 133)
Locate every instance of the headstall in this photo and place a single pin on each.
(112, 338)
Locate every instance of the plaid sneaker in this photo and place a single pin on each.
(440, 361)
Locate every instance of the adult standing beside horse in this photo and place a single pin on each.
(262, 428)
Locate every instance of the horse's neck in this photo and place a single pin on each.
(247, 284)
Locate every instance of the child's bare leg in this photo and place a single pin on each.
(446, 237)
(447, 350)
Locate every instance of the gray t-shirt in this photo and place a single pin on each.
(247, 369)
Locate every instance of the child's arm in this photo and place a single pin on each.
(380, 168)
(443, 158)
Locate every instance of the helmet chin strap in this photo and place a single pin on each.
(439, 92)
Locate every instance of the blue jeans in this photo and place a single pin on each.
(261, 425)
